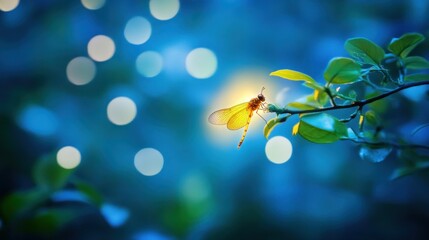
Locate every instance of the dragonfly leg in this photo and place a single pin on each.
(263, 107)
(261, 116)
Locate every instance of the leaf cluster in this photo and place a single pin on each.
(381, 73)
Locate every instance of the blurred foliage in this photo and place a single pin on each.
(382, 75)
(52, 202)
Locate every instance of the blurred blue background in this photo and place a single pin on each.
(201, 187)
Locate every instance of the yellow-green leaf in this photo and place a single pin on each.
(272, 123)
(293, 75)
(314, 85)
(295, 128)
(372, 118)
(321, 97)
(361, 119)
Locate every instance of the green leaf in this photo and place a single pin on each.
(272, 123)
(364, 50)
(413, 162)
(293, 75)
(321, 96)
(90, 192)
(405, 44)
(417, 77)
(342, 70)
(372, 118)
(416, 62)
(18, 203)
(48, 221)
(408, 170)
(321, 128)
(49, 175)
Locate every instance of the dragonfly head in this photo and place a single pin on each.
(261, 96)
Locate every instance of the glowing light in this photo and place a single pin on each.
(201, 63)
(278, 149)
(68, 157)
(282, 95)
(149, 161)
(242, 86)
(121, 110)
(8, 5)
(101, 48)
(149, 64)
(93, 4)
(137, 30)
(164, 9)
(81, 70)
(38, 120)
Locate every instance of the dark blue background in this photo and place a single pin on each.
(323, 191)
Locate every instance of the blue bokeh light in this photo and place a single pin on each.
(38, 120)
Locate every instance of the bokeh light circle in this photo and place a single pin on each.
(81, 70)
(164, 9)
(201, 63)
(101, 48)
(278, 149)
(121, 110)
(8, 5)
(137, 30)
(149, 161)
(149, 63)
(93, 4)
(68, 157)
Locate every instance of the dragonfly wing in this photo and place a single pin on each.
(222, 116)
(240, 119)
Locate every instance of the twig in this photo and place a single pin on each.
(331, 98)
(360, 103)
(393, 144)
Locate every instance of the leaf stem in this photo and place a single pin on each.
(331, 98)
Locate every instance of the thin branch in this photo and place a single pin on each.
(352, 116)
(393, 144)
(360, 103)
(419, 128)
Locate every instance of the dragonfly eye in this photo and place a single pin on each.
(261, 97)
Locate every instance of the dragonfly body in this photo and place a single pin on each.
(238, 116)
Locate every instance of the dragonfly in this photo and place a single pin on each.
(239, 116)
